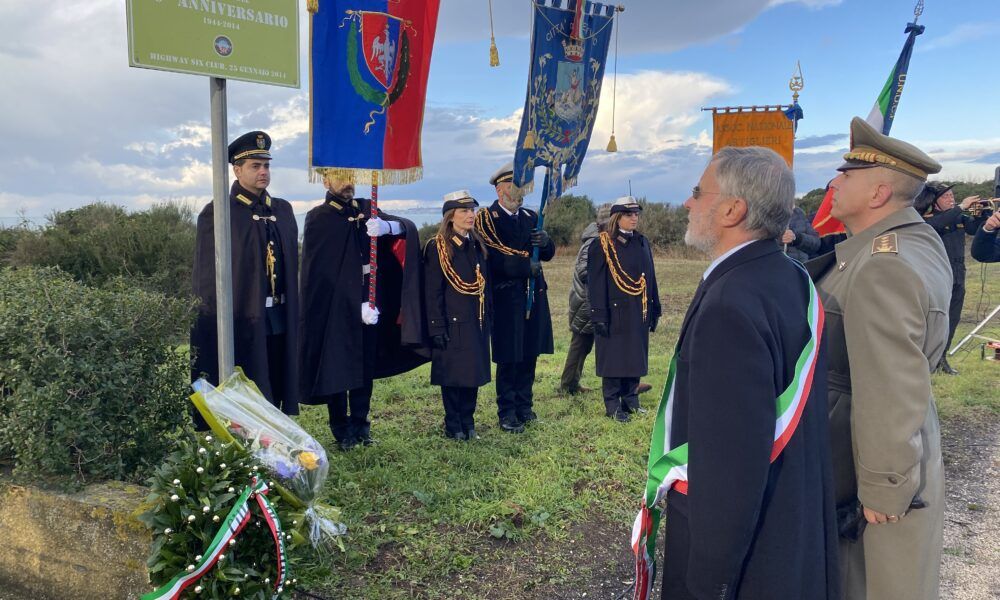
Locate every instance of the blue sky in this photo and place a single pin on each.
(81, 125)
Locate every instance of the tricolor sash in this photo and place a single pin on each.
(668, 465)
(236, 520)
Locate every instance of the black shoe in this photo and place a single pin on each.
(621, 417)
(643, 388)
(455, 435)
(527, 418)
(471, 435)
(512, 426)
(639, 410)
(945, 368)
(346, 444)
(366, 440)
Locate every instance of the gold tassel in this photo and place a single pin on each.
(529, 140)
(312, 6)
(612, 146)
(494, 53)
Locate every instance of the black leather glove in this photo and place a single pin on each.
(652, 324)
(539, 238)
(601, 329)
(440, 342)
(536, 269)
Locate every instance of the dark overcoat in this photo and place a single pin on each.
(466, 360)
(517, 336)
(749, 528)
(624, 353)
(335, 248)
(250, 291)
(986, 246)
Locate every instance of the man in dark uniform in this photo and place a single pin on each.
(345, 343)
(265, 255)
(937, 205)
(986, 244)
(510, 231)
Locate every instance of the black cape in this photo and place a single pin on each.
(278, 382)
(334, 249)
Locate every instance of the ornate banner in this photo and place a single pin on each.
(772, 129)
(568, 50)
(369, 63)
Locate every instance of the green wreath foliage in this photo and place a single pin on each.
(362, 87)
(180, 492)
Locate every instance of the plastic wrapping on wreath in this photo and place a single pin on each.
(238, 410)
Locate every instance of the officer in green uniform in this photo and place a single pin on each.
(886, 290)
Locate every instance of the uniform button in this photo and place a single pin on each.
(454, 318)
(893, 480)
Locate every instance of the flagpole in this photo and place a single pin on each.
(373, 246)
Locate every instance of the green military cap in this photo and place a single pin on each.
(869, 148)
(504, 173)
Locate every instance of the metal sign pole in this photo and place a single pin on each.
(223, 244)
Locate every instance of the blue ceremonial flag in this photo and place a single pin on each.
(569, 46)
(884, 111)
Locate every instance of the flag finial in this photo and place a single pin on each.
(918, 10)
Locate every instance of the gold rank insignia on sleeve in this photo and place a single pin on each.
(622, 239)
(495, 215)
(885, 243)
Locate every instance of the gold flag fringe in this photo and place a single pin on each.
(367, 176)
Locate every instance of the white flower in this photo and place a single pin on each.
(232, 542)
(215, 519)
(168, 531)
(236, 591)
(197, 589)
(177, 482)
(199, 470)
(222, 466)
(206, 509)
(222, 557)
(202, 451)
(208, 438)
(232, 489)
(197, 558)
(190, 568)
(174, 498)
(190, 518)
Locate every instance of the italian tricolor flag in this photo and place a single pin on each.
(880, 117)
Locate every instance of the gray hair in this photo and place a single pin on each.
(762, 178)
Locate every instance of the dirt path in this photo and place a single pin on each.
(970, 567)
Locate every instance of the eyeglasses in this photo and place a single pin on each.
(696, 192)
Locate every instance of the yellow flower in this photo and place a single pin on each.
(308, 460)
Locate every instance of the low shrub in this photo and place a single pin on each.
(91, 384)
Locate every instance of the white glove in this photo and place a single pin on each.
(369, 315)
(377, 227)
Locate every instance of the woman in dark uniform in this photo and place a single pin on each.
(625, 307)
(458, 313)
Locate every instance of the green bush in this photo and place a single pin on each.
(663, 224)
(100, 242)
(426, 231)
(811, 201)
(566, 217)
(90, 385)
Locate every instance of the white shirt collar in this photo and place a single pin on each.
(719, 260)
(504, 208)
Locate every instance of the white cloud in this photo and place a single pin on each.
(962, 34)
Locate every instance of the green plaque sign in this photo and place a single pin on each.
(251, 40)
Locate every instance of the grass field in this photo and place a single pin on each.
(545, 514)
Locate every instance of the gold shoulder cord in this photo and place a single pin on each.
(484, 225)
(623, 281)
(469, 289)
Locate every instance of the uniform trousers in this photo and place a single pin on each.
(957, 300)
(459, 408)
(354, 425)
(580, 345)
(621, 394)
(514, 396)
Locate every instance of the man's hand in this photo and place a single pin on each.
(601, 329)
(969, 202)
(369, 314)
(440, 342)
(788, 237)
(539, 238)
(652, 324)
(876, 518)
(992, 224)
(536, 269)
(377, 227)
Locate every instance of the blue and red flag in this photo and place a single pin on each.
(369, 63)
